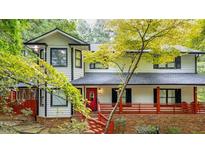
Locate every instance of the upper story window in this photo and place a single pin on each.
(176, 64)
(59, 57)
(78, 59)
(97, 66)
(42, 54)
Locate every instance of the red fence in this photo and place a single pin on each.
(137, 108)
(24, 104)
(30, 104)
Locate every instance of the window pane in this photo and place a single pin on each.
(78, 62)
(58, 98)
(162, 65)
(92, 65)
(58, 57)
(78, 54)
(171, 65)
(98, 65)
(171, 100)
(162, 93)
(162, 100)
(171, 93)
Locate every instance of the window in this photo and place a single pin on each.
(42, 97)
(59, 57)
(126, 97)
(42, 54)
(176, 64)
(168, 96)
(78, 59)
(97, 66)
(58, 98)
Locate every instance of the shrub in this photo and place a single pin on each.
(173, 130)
(27, 112)
(73, 127)
(120, 125)
(149, 129)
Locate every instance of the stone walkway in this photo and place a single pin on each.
(19, 125)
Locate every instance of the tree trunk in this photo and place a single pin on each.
(122, 90)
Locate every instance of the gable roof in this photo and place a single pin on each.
(78, 41)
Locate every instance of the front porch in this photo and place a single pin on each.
(156, 107)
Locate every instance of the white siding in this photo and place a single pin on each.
(187, 66)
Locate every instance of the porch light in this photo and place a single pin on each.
(36, 48)
(100, 91)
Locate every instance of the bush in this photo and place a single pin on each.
(120, 125)
(149, 129)
(173, 130)
(73, 127)
(27, 112)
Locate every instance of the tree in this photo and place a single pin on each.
(22, 69)
(40, 26)
(97, 33)
(159, 36)
(11, 35)
(198, 42)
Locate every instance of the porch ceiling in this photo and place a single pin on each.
(142, 79)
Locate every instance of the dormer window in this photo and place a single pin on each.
(78, 59)
(173, 65)
(59, 57)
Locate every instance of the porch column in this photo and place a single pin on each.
(120, 107)
(158, 100)
(195, 99)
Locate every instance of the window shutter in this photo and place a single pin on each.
(128, 95)
(155, 66)
(92, 66)
(178, 62)
(178, 95)
(155, 95)
(114, 95)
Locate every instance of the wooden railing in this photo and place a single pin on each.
(102, 118)
(138, 108)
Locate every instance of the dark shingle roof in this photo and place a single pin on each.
(142, 79)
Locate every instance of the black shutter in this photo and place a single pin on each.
(155, 66)
(178, 95)
(178, 62)
(114, 95)
(128, 95)
(155, 95)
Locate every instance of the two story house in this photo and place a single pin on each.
(163, 88)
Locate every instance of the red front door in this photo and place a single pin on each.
(91, 95)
